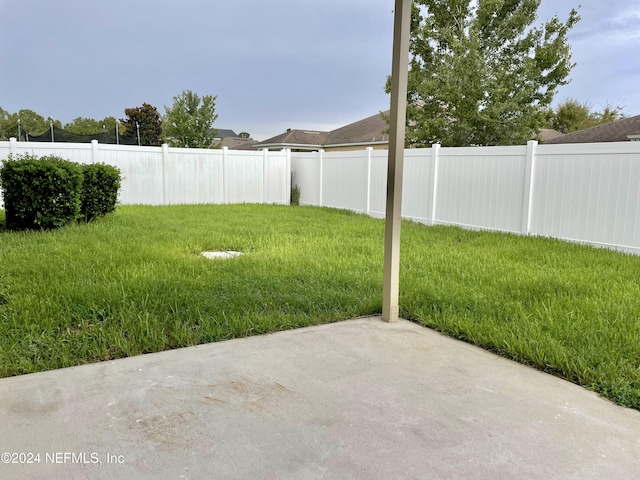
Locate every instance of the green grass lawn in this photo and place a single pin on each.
(134, 282)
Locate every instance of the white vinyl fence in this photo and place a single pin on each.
(165, 175)
(588, 193)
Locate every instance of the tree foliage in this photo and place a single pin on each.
(29, 122)
(4, 116)
(189, 121)
(88, 126)
(572, 115)
(481, 73)
(149, 122)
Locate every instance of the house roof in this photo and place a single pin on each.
(617, 131)
(547, 134)
(371, 129)
(238, 143)
(296, 138)
(222, 133)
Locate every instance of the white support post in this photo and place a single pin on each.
(435, 160)
(13, 146)
(367, 207)
(527, 201)
(94, 151)
(399, 76)
(225, 158)
(165, 159)
(321, 163)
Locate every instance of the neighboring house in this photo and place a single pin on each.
(625, 130)
(369, 132)
(222, 133)
(547, 134)
(372, 132)
(238, 143)
(231, 140)
(296, 140)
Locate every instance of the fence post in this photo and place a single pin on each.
(287, 200)
(94, 151)
(165, 158)
(435, 160)
(265, 156)
(225, 158)
(527, 201)
(369, 153)
(321, 163)
(13, 146)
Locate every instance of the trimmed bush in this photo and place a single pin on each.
(40, 193)
(99, 190)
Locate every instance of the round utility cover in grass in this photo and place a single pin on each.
(222, 255)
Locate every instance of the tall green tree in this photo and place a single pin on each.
(4, 116)
(30, 122)
(88, 126)
(573, 115)
(189, 121)
(83, 126)
(148, 121)
(481, 72)
(609, 114)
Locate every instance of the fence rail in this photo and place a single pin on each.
(165, 175)
(588, 193)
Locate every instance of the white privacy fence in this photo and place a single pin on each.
(165, 175)
(579, 192)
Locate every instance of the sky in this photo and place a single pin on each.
(298, 64)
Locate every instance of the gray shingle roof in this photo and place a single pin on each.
(296, 137)
(370, 129)
(238, 143)
(546, 134)
(222, 133)
(609, 132)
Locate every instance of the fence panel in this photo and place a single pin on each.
(142, 172)
(417, 190)
(378, 187)
(306, 176)
(193, 176)
(243, 177)
(481, 188)
(588, 193)
(277, 178)
(76, 152)
(344, 182)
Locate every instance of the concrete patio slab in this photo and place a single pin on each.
(360, 399)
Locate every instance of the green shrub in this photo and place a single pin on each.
(295, 195)
(40, 193)
(100, 188)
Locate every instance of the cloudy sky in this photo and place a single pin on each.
(273, 65)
